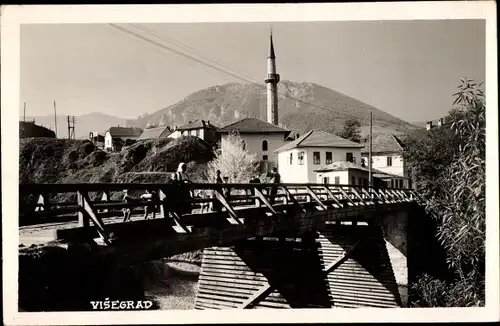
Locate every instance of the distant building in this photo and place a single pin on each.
(97, 139)
(387, 157)
(199, 128)
(347, 173)
(117, 137)
(298, 159)
(155, 133)
(259, 137)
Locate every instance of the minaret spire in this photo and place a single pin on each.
(271, 46)
(272, 84)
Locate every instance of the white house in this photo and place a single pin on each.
(347, 173)
(298, 159)
(117, 137)
(199, 128)
(387, 157)
(260, 138)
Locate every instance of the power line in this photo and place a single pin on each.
(193, 50)
(218, 68)
(159, 51)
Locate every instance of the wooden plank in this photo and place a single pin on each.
(316, 198)
(294, 200)
(341, 259)
(333, 196)
(264, 200)
(358, 195)
(346, 196)
(89, 211)
(178, 223)
(224, 202)
(82, 218)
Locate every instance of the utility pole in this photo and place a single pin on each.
(370, 152)
(55, 117)
(71, 127)
(24, 113)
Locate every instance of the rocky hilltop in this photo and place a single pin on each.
(302, 107)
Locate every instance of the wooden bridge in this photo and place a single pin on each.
(305, 245)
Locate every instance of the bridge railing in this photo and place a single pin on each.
(209, 196)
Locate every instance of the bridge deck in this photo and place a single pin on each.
(246, 211)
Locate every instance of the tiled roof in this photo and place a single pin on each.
(319, 138)
(344, 166)
(197, 124)
(125, 132)
(253, 125)
(153, 133)
(383, 143)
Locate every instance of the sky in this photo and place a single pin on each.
(409, 69)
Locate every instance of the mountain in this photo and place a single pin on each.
(84, 123)
(224, 104)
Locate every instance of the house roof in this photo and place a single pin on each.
(344, 166)
(253, 125)
(197, 124)
(153, 133)
(319, 138)
(125, 132)
(383, 143)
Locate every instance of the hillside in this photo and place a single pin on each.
(84, 123)
(49, 160)
(227, 103)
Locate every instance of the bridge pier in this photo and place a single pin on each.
(282, 271)
(335, 266)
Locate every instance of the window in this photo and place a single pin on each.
(392, 183)
(410, 184)
(348, 157)
(264, 158)
(290, 160)
(264, 145)
(301, 158)
(326, 180)
(328, 158)
(360, 181)
(337, 180)
(353, 180)
(316, 158)
(389, 160)
(197, 133)
(363, 162)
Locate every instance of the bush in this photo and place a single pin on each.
(449, 166)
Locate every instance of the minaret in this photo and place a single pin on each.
(272, 85)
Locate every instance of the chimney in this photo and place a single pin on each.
(429, 125)
(440, 122)
(203, 123)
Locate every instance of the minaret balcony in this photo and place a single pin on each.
(272, 78)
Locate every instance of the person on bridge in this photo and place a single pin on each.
(184, 195)
(127, 211)
(275, 179)
(216, 205)
(148, 196)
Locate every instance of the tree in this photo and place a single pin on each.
(352, 130)
(449, 166)
(233, 161)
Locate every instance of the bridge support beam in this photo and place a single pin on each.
(283, 271)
